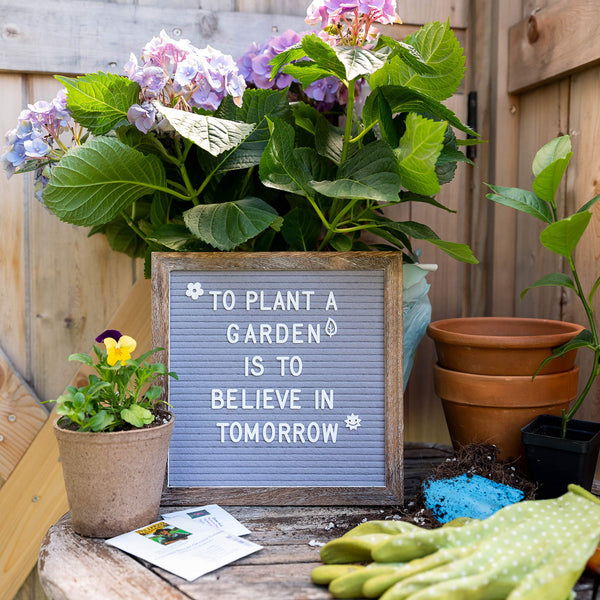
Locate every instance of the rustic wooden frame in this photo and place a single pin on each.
(391, 264)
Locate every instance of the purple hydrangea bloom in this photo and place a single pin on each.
(330, 12)
(179, 74)
(142, 116)
(324, 90)
(254, 63)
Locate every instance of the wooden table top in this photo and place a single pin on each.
(72, 567)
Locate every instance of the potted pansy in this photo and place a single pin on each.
(302, 144)
(117, 414)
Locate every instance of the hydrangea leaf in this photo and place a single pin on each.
(360, 61)
(370, 173)
(437, 46)
(228, 224)
(324, 55)
(402, 99)
(100, 101)
(301, 229)
(259, 106)
(94, 182)
(210, 133)
(418, 152)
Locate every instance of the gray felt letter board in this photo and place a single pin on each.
(289, 367)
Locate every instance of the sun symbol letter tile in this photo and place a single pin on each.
(352, 422)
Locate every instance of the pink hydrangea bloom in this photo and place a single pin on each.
(330, 12)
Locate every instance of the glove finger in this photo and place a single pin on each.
(352, 548)
(376, 586)
(351, 585)
(390, 527)
(474, 587)
(325, 574)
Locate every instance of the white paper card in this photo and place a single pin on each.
(212, 515)
(183, 547)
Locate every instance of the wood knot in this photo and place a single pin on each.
(533, 33)
(10, 31)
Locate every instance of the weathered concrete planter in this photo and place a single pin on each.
(113, 480)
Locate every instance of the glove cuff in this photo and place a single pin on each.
(576, 489)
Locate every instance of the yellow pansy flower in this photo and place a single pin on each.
(119, 351)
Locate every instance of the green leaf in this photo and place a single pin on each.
(210, 133)
(418, 152)
(370, 173)
(407, 53)
(439, 49)
(584, 339)
(563, 236)
(100, 101)
(173, 236)
(522, 200)
(258, 108)
(324, 55)
(593, 290)
(588, 205)
(94, 182)
(306, 72)
(153, 393)
(279, 165)
(558, 148)
(341, 243)
(301, 229)
(295, 52)
(457, 251)
(100, 421)
(159, 209)
(82, 358)
(137, 415)
(359, 61)
(401, 99)
(229, 224)
(546, 184)
(122, 238)
(559, 279)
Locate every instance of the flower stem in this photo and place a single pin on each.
(349, 121)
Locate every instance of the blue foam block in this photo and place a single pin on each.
(468, 496)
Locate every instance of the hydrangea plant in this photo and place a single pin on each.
(300, 145)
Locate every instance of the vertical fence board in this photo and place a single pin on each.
(504, 134)
(13, 293)
(77, 283)
(543, 116)
(583, 183)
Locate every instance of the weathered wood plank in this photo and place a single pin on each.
(77, 283)
(74, 562)
(34, 496)
(504, 164)
(71, 41)
(13, 237)
(21, 417)
(414, 13)
(543, 116)
(542, 46)
(583, 183)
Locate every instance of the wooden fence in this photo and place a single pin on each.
(59, 288)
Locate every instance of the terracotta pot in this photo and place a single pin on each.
(502, 345)
(493, 409)
(114, 480)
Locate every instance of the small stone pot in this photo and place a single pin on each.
(114, 480)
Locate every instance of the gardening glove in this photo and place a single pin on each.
(528, 551)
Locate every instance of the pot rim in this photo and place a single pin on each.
(443, 331)
(106, 436)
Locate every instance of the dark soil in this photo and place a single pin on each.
(475, 459)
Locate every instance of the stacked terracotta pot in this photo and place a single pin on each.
(484, 377)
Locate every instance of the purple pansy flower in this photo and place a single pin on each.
(109, 333)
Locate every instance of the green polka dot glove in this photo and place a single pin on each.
(532, 550)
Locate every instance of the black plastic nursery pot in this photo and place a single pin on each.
(555, 462)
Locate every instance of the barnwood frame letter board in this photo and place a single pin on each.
(290, 376)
